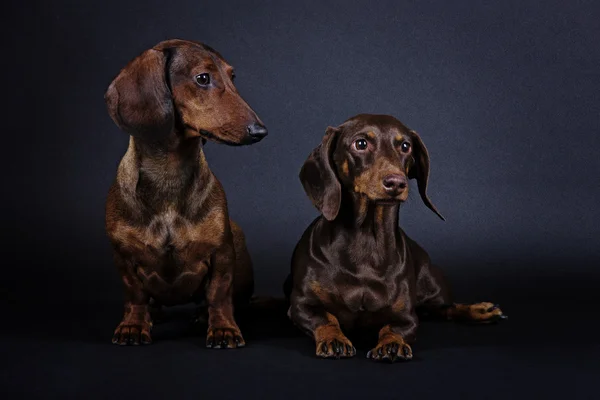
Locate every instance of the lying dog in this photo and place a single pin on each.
(354, 266)
(166, 213)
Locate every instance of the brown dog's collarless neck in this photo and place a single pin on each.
(360, 213)
(376, 229)
(175, 142)
(164, 170)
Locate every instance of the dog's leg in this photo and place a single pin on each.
(324, 328)
(433, 292)
(434, 300)
(136, 325)
(392, 345)
(476, 313)
(223, 332)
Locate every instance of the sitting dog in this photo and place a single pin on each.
(354, 267)
(166, 213)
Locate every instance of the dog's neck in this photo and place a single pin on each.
(376, 219)
(163, 170)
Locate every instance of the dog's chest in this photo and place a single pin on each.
(171, 235)
(369, 281)
(171, 252)
(365, 288)
(164, 235)
(363, 292)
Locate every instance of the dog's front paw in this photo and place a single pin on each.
(480, 313)
(335, 346)
(391, 348)
(130, 332)
(224, 338)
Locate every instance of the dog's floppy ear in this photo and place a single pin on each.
(420, 170)
(139, 100)
(319, 179)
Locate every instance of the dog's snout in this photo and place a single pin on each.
(257, 131)
(394, 183)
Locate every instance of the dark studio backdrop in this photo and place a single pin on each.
(504, 95)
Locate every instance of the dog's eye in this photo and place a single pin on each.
(203, 79)
(361, 144)
(405, 147)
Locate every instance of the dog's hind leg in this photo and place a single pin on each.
(476, 313)
(435, 300)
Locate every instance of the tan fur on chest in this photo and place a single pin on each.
(171, 253)
(169, 230)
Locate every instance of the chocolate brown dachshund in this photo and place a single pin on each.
(354, 267)
(166, 213)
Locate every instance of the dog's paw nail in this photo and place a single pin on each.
(369, 353)
(349, 350)
(239, 342)
(324, 348)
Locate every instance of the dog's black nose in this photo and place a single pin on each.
(394, 183)
(257, 131)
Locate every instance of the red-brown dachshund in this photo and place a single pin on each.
(354, 267)
(166, 213)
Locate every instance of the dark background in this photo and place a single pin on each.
(504, 94)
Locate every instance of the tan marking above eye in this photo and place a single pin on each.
(371, 134)
(399, 138)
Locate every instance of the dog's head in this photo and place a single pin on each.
(373, 156)
(184, 87)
